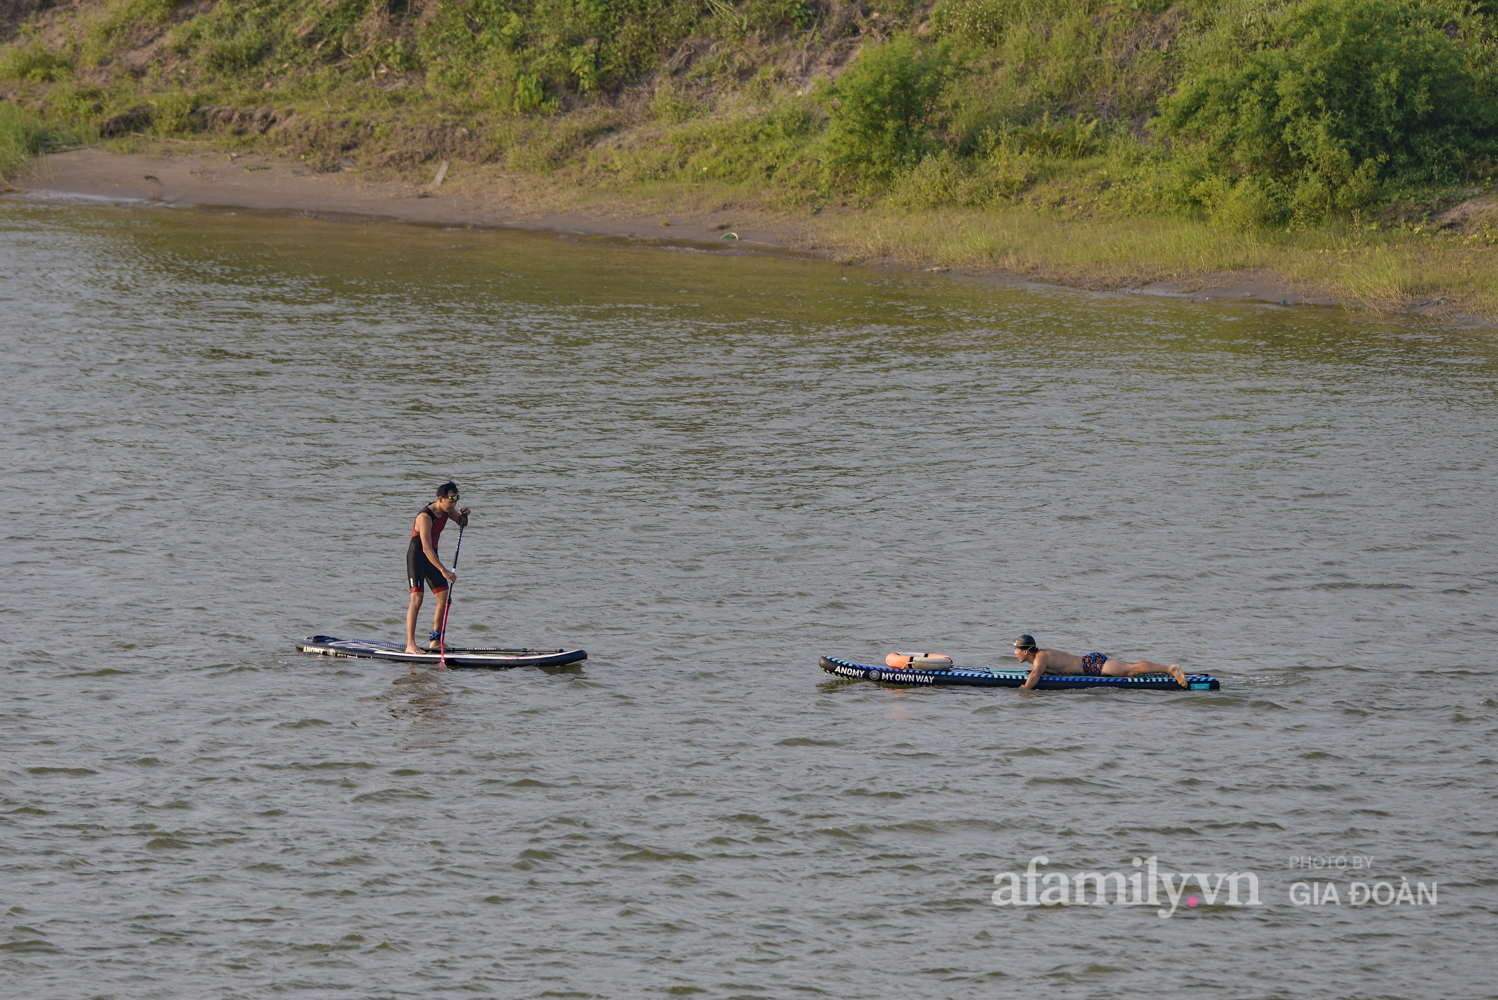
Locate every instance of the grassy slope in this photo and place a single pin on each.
(1035, 156)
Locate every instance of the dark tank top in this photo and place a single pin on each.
(438, 522)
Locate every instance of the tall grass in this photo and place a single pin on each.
(21, 137)
(1376, 271)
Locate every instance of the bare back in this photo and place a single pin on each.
(1056, 661)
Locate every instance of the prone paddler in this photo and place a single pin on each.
(1055, 661)
(423, 566)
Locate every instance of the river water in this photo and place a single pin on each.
(708, 470)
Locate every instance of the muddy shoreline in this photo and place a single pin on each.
(254, 182)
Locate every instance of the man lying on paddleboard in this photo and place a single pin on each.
(1054, 661)
(423, 566)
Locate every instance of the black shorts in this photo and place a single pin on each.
(419, 569)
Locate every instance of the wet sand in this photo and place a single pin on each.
(262, 183)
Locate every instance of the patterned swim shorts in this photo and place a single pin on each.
(1092, 664)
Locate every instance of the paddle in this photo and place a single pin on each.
(447, 609)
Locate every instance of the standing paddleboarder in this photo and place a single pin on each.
(423, 566)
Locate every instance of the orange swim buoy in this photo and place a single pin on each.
(919, 661)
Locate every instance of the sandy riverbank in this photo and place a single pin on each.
(262, 183)
(489, 198)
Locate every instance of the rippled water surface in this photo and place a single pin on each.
(708, 470)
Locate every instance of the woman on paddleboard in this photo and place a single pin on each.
(423, 566)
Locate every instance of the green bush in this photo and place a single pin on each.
(769, 143)
(1341, 96)
(237, 52)
(78, 102)
(1241, 206)
(172, 114)
(766, 15)
(884, 106)
(771, 147)
(582, 45)
(1062, 138)
(1000, 171)
(34, 63)
(530, 96)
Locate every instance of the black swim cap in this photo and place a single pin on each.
(1026, 641)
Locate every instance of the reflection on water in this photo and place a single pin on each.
(709, 471)
(421, 699)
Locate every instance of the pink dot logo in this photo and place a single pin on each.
(1190, 900)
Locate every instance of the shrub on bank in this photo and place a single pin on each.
(998, 173)
(33, 62)
(1339, 97)
(885, 108)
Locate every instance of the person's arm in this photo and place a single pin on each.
(424, 525)
(463, 517)
(1036, 669)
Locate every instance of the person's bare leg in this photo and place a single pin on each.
(411, 612)
(441, 596)
(1175, 671)
(1119, 668)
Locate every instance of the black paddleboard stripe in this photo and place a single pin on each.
(973, 677)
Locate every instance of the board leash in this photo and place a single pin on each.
(448, 609)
